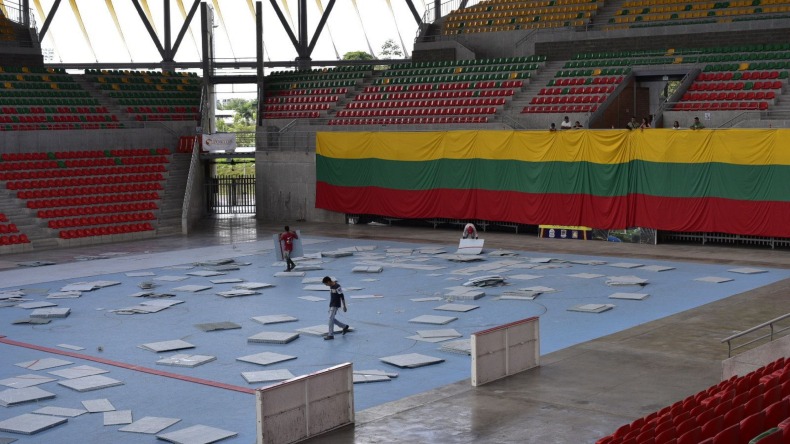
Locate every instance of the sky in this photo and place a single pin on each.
(235, 36)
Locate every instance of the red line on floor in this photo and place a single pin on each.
(124, 365)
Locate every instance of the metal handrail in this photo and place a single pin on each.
(16, 14)
(769, 324)
(194, 164)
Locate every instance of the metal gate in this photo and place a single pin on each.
(230, 195)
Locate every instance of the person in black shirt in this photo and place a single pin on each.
(336, 300)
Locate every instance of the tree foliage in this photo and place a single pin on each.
(357, 55)
(243, 119)
(390, 50)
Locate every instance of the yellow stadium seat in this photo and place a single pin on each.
(743, 66)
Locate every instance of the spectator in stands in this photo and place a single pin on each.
(632, 124)
(287, 245)
(552, 127)
(645, 123)
(697, 124)
(469, 231)
(676, 125)
(577, 125)
(566, 123)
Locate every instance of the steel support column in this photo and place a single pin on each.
(48, 20)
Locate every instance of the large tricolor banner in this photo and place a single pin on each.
(730, 181)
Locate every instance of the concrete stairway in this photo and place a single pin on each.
(172, 198)
(26, 221)
(536, 82)
(104, 100)
(781, 108)
(606, 12)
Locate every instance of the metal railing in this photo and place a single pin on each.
(16, 14)
(445, 8)
(230, 195)
(769, 324)
(194, 165)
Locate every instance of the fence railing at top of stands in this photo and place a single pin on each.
(245, 139)
(446, 8)
(769, 324)
(15, 14)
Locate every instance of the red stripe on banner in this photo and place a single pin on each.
(712, 214)
(126, 366)
(502, 206)
(754, 218)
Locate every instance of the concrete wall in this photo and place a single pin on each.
(75, 140)
(755, 358)
(285, 188)
(563, 43)
(435, 51)
(196, 206)
(485, 44)
(710, 119)
(562, 46)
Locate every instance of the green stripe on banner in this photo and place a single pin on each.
(739, 182)
(495, 175)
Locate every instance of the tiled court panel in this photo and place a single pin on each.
(411, 285)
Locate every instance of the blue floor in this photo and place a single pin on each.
(381, 325)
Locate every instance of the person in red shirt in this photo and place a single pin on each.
(287, 245)
(469, 231)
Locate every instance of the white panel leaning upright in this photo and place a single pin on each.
(505, 350)
(305, 406)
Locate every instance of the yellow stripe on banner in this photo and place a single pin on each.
(531, 146)
(78, 16)
(731, 146)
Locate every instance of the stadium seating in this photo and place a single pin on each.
(577, 91)
(8, 31)
(512, 15)
(88, 193)
(751, 412)
(48, 99)
(309, 94)
(151, 95)
(743, 83)
(644, 13)
(10, 234)
(439, 92)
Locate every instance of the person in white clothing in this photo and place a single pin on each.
(470, 231)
